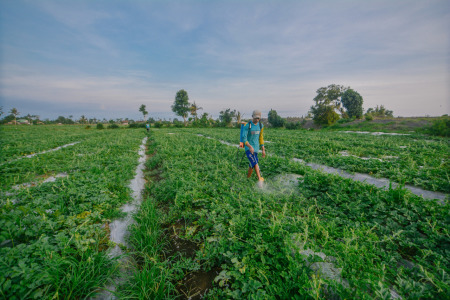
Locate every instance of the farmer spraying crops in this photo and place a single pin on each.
(252, 137)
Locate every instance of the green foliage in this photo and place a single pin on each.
(7, 119)
(348, 120)
(380, 112)
(275, 120)
(353, 103)
(330, 95)
(412, 159)
(136, 125)
(368, 117)
(327, 100)
(53, 240)
(100, 126)
(52, 234)
(293, 125)
(143, 111)
(152, 279)
(64, 120)
(113, 126)
(181, 105)
(226, 117)
(158, 124)
(254, 237)
(177, 123)
(324, 115)
(440, 127)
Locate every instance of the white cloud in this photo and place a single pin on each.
(236, 55)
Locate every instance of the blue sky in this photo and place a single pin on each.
(106, 58)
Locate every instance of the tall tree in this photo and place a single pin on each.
(204, 121)
(143, 111)
(226, 116)
(181, 105)
(352, 101)
(194, 108)
(275, 120)
(327, 101)
(15, 113)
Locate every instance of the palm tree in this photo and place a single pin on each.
(83, 119)
(15, 112)
(194, 108)
(238, 118)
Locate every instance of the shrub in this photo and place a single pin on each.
(136, 125)
(380, 112)
(87, 127)
(293, 125)
(440, 127)
(158, 124)
(113, 126)
(369, 117)
(100, 126)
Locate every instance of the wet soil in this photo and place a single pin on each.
(196, 284)
(179, 246)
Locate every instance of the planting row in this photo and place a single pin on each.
(55, 208)
(19, 141)
(314, 235)
(412, 159)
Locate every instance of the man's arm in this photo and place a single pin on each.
(261, 142)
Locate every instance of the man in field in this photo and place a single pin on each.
(147, 126)
(253, 139)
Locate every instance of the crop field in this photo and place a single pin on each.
(55, 207)
(323, 237)
(204, 229)
(412, 159)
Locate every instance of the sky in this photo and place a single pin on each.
(106, 58)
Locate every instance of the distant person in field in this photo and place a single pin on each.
(253, 139)
(147, 126)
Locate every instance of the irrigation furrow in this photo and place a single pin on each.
(378, 182)
(118, 228)
(34, 154)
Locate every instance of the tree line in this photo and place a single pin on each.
(332, 103)
(13, 118)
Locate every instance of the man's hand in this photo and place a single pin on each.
(264, 152)
(252, 151)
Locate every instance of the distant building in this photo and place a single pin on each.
(23, 122)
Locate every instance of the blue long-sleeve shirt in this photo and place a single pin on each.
(253, 134)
